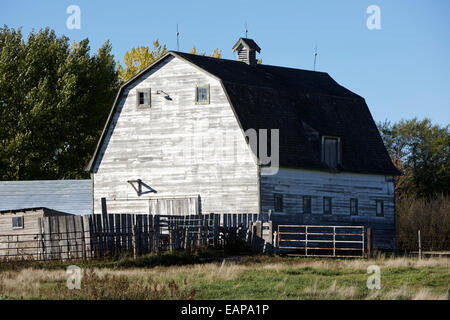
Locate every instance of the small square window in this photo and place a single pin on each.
(17, 222)
(202, 94)
(306, 204)
(327, 205)
(143, 98)
(278, 202)
(380, 208)
(353, 207)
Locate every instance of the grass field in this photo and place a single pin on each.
(254, 277)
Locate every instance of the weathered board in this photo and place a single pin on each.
(293, 184)
(176, 147)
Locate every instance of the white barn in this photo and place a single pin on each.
(180, 139)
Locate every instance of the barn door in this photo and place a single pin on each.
(174, 206)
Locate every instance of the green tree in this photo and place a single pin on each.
(54, 101)
(421, 150)
(137, 59)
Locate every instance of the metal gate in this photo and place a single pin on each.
(321, 241)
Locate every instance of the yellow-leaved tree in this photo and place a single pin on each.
(215, 54)
(137, 59)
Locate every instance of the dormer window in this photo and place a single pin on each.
(331, 151)
(202, 94)
(143, 98)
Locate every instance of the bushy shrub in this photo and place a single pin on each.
(431, 217)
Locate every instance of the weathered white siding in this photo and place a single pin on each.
(293, 184)
(30, 222)
(162, 146)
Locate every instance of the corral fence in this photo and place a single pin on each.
(95, 236)
(321, 241)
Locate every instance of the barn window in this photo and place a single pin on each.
(353, 207)
(380, 208)
(17, 222)
(278, 198)
(202, 94)
(326, 205)
(306, 204)
(143, 98)
(331, 151)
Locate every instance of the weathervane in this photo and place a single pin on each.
(178, 41)
(246, 31)
(315, 57)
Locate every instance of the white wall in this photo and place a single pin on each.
(153, 144)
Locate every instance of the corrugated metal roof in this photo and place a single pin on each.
(71, 196)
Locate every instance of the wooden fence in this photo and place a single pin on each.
(87, 237)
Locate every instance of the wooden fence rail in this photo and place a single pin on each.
(86, 237)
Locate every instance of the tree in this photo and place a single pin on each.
(137, 59)
(215, 54)
(421, 151)
(54, 101)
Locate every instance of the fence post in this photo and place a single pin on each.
(133, 230)
(306, 241)
(275, 242)
(420, 244)
(362, 246)
(83, 244)
(156, 232)
(369, 243)
(37, 247)
(216, 229)
(205, 230)
(334, 241)
(259, 236)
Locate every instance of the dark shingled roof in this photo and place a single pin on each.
(249, 43)
(303, 105)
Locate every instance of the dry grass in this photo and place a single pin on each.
(277, 278)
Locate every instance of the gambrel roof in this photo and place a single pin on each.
(304, 105)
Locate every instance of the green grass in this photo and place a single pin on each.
(290, 283)
(179, 276)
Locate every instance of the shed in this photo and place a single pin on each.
(19, 230)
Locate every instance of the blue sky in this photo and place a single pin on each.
(402, 70)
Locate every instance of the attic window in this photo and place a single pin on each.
(202, 94)
(143, 98)
(17, 222)
(331, 151)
